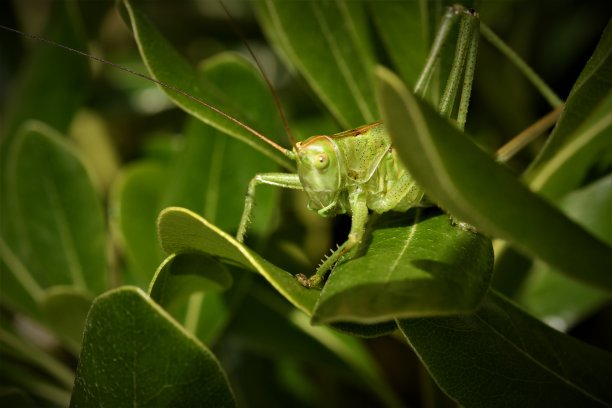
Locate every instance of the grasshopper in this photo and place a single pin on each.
(355, 171)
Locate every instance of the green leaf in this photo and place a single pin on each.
(503, 355)
(65, 309)
(135, 203)
(415, 264)
(583, 130)
(135, 354)
(464, 180)
(323, 41)
(581, 151)
(557, 300)
(396, 22)
(181, 275)
(61, 239)
(166, 65)
(181, 230)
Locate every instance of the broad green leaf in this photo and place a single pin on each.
(322, 40)
(554, 298)
(61, 239)
(464, 180)
(135, 203)
(137, 200)
(503, 356)
(65, 309)
(166, 65)
(181, 275)
(583, 129)
(403, 27)
(415, 264)
(181, 230)
(134, 353)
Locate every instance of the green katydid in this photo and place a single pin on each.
(356, 171)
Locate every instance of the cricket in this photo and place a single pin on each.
(357, 171)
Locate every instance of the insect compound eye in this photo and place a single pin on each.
(321, 161)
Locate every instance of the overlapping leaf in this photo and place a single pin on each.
(501, 355)
(60, 236)
(135, 203)
(464, 180)
(181, 230)
(555, 298)
(396, 22)
(181, 275)
(167, 66)
(325, 42)
(415, 264)
(583, 130)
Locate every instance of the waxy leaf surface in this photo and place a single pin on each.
(134, 353)
(502, 356)
(413, 264)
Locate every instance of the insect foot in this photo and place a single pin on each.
(463, 225)
(312, 282)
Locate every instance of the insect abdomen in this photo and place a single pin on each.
(391, 187)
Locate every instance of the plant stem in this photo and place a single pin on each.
(522, 66)
(507, 151)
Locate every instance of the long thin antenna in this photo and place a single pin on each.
(213, 108)
(279, 107)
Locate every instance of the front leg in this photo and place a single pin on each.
(283, 180)
(359, 218)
